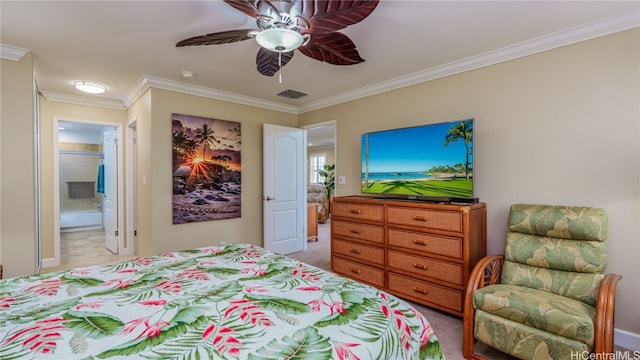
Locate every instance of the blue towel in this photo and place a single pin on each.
(100, 185)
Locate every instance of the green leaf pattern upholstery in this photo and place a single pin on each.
(522, 341)
(544, 307)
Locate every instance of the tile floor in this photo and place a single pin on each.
(83, 248)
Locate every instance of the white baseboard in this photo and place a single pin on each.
(626, 339)
(49, 262)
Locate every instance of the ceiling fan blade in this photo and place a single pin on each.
(255, 8)
(269, 62)
(326, 16)
(335, 48)
(248, 7)
(222, 37)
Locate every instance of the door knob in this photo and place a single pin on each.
(269, 198)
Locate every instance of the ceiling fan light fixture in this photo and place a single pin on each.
(279, 39)
(89, 87)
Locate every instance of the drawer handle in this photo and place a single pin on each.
(355, 231)
(419, 218)
(419, 242)
(421, 266)
(420, 290)
(356, 271)
(355, 211)
(355, 251)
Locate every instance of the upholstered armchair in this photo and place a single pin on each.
(548, 296)
(318, 194)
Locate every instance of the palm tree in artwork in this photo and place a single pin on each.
(462, 131)
(204, 136)
(183, 146)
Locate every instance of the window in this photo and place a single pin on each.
(316, 163)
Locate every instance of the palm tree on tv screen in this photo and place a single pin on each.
(462, 131)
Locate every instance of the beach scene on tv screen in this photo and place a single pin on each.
(428, 160)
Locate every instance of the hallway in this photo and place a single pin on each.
(83, 248)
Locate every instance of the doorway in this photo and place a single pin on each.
(321, 144)
(88, 205)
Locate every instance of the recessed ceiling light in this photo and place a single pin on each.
(188, 74)
(89, 87)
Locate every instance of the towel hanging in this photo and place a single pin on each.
(100, 184)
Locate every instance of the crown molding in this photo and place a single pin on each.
(147, 81)
(12, 53)
(108, 103)
(601, 27)
(605, 26)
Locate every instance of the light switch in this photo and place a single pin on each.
(342, 180)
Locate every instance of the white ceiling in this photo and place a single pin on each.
(130, 45)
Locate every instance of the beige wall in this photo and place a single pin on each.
(17, 174)
(50, 113)
(156, 233)
(559, 127)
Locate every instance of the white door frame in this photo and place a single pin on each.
(55, 261)
(131, 204)
(335, 146)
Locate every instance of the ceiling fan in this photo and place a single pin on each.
(311, 26)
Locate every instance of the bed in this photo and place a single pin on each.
(225, 302)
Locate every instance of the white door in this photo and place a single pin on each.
(110, 196)
(284, 189)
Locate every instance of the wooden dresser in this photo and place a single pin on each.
(419, 251)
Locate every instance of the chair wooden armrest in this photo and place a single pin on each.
(486, 272)
(605, 313)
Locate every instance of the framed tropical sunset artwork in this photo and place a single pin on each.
(206, 169)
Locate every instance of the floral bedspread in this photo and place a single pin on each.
(224, 302)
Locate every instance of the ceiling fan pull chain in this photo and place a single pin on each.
(280, 66)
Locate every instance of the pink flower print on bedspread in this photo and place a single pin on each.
(170, 286)
(427, 330)
(316, 304)
(41, 337)
(145, 261)
(119, 283)
(146, 328)
(193, 274)
(304, 274)
(343, 352)
(400, 320)
(47, 287)
(90, 305)
(5, 302)
(223, 339)
(251, 252)
(248, 312)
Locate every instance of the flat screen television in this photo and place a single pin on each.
(426, 162)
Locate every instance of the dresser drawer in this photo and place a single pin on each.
(440, 245)
(358, 271)
(426, 292)
(425, 267)
(358, 211)
(426, 218)
(371, 233)
(358, 251)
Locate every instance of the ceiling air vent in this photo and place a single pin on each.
(292, 94)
